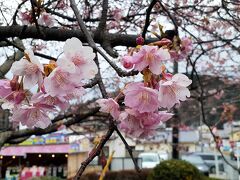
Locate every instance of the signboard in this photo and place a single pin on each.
(74, 148)
(49, 139)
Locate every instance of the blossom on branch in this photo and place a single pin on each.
(78, 59)
(26, 17)
(31, 116)
(152, 57)
(53, 102)
(142, 125)
(173, 91)
(141, 98)
(30, 68)
(60, 83)
(109, 106)
(5, 88)
(46, 19)
(183, 50)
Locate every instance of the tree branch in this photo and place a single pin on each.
(128, 148)
(54, 34)
(95, 152)
(35, 53)
(103, 20)
(147, 20)
(6, 66)
(8, 136)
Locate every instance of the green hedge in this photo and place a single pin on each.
(175, 170)
(119, 175)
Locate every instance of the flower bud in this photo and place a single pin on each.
(19, 96)
(14, 83)
(140, 40)
(163, 42)
(127, 62)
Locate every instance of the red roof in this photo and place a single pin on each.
(23, 150)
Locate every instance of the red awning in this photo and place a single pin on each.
(23, 150)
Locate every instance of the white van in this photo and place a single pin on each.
(149, 159)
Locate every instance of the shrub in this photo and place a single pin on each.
(175, 169)
(119, 175)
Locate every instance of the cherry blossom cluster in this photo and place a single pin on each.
(57, 83)
(43, 18)
(160, 90)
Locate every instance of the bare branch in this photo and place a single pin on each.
(147, 20)
(54, 34)
(103, 20)
(95, 152)
(36, 53)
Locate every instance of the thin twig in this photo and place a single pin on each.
(91, 43)
(35, 53)
(95, 152)
(128, 148)
(170, 16)
(147, 20)
(99, 79)
(33, 4)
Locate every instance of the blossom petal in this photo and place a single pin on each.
(30, 81)
(67, 65)
(72, 45)
(181, 80)
(18, 67)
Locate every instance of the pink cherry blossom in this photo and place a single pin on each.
(151, 56)
(60, 4)
(141, 125)
(26, 17)
(76, 93)
(30, 68)
(141, 98)
(45, 99)
(15, 98)
(187, 45)
(173, 91)
(163, 42)
(109, 106)
(8, 96)
(31, 116)
(113, 25)
(60, 83)
(5, 88)
(117, 14)
(177, 55)
(78, 59)
(46, 19)
(185, 49)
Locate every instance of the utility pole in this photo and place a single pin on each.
(175, 127)
(201, 130)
